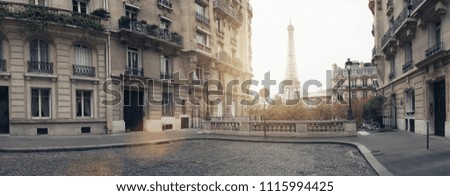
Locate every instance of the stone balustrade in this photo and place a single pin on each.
(282, 128)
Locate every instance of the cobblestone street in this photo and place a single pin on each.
(199, 157)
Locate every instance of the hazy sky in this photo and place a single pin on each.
(326, 32)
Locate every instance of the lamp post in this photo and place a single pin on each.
(264, 92)
(208, 116)
(348, 66)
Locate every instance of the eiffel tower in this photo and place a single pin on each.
(291, 69)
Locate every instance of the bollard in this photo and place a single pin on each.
(428, 135)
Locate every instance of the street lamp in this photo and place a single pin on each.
(264, 92)
(348, 66)
(208, 116)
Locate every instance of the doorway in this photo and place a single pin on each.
(439, 108)
(133, 110)
(4, 110)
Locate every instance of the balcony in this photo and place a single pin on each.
(407, 66)
(202, 18)
(390, 7)
(2, 65)
(134, 71)
(166, 76)
(392, 75)
(224, 57)
(428, 10)
(150, 31)
(405, 25)
(225, 10)
(203, 47)
(165, 4)
(40, 67)
(388, 42)
(84, 70)
(233, 41)
(47, 15)
(434, 50)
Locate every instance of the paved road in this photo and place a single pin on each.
(194, 158)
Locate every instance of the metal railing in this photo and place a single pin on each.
(387, 36)
(151, 30)
(165, 3)
(134, 71)
(84, 70)
(51, 15)
(2, 65)
(40, 67)
(435, 49)
(202, 18)
(166, 76)
(401, 18)
(407, 66)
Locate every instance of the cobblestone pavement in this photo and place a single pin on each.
(194, 158)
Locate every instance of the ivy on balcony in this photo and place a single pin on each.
(39, 17)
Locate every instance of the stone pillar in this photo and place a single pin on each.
(350, 128)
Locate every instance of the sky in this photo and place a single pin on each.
(326, 32)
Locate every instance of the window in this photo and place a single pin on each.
(80, 6)
(133, 58)
(198, 73)
(353, 94)
(202, 38)
(165, 26)
(82, 55)
(392, 64)
(39, 51)
(364, 82)
(201, 10)
(375, 83)
(353, 83)
(410, 101)
(219, 26)
(83, 103)
(183, 107)
(437, 32)
(408, 52)
(131, 12)
(37, 2)
(167, 104)
(40, 103)
(365, 94)
(165, 68)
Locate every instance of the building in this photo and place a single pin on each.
(363, 82)
(69, 70)
(410, 53)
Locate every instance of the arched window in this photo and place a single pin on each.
(82, 55)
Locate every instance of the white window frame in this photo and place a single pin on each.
(136, 52)
(82, 103)
(201, 38)
(165, 65)
(40, 49)
(83, 54)
(79, 6)
(40, 103)
(131, 10)
(410, 101)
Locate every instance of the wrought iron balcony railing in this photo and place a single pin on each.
(132, 71)
(166, 76)
(51, 15)
(406, 12)
(435, 49)
(390, 7)
(84, 70)
(2, 65)
(407, 66)
(202, 18)
(151, 30)
(165, 3)
(387, 36)
(40, 67)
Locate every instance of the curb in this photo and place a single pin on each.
(366, 153)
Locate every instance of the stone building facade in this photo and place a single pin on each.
(363, 80)
(410, 53)
(69, 71)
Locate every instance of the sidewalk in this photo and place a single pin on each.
(401, 153)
